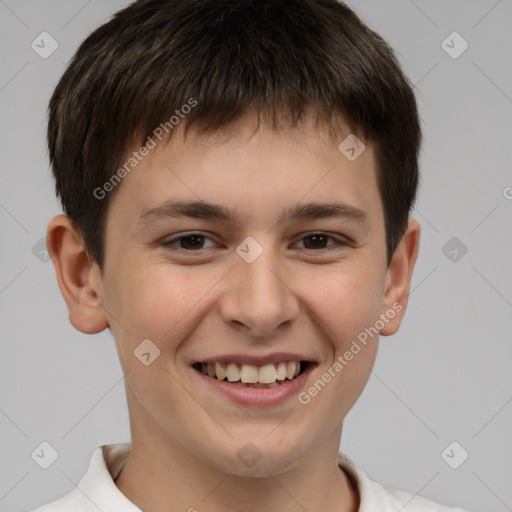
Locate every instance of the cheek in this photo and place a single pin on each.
(162, 302)
(347, 304)
(346, 300)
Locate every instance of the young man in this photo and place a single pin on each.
(237, 179)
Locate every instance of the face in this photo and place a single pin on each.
(244, 289)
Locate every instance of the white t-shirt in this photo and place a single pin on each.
(97, 490)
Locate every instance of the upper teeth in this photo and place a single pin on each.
(248, 373)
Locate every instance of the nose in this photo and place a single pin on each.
(258, 297)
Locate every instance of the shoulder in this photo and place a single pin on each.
(408, 502)
(375, 496)
(74, 501)
(97, 490)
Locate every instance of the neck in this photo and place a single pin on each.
(163, 473)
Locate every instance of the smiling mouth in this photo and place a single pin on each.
(252, 376)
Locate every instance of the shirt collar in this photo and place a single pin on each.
(97, 485)
(371, 494)
(107, 461)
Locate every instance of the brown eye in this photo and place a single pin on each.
(190, 242)
(319, 241)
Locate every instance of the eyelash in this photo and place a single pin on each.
(338, 242)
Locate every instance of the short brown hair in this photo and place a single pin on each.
(274, 56)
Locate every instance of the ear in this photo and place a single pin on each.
(398, 278)
(78, 277)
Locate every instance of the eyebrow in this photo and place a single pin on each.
(204, 210)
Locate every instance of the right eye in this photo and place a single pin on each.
(187, 242)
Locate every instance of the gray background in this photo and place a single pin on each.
(446, 376)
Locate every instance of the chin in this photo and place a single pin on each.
(258, 456)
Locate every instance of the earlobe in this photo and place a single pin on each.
(398, 278)
(78, 277)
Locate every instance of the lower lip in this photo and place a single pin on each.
(257, 396)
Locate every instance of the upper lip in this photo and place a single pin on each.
(256, 360)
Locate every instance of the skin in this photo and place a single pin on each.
(193, 305)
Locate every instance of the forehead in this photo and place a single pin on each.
(250, 164)
(252, 124)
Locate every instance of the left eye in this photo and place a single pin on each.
(196, 241)
(319, 240)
